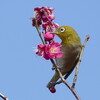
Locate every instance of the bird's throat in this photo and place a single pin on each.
(70, 41)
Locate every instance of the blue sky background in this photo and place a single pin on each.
(24, 75)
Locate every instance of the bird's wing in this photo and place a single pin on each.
(75, 63)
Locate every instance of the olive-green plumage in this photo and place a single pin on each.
(71, 48)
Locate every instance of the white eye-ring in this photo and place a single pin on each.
(62, 30)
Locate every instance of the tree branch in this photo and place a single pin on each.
(37, 28)
(3, 97)
(64, 81)
(80, 59)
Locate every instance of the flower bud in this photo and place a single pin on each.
(52, 90)
(48, 36)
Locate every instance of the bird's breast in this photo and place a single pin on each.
(70, 53)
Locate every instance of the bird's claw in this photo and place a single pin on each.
(53, 68)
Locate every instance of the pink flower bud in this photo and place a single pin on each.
(52, 90)
(48, 36)
(88, 37)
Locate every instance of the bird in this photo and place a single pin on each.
(71, 49)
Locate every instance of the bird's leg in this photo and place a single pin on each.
(53, 67)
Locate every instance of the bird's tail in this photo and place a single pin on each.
(53, 81)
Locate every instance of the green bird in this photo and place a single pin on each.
(71, 48)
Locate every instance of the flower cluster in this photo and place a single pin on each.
(43, 17)
(50, 51)
(44, 14)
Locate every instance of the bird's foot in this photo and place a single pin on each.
(53, 68)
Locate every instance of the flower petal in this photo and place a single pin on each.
(59, 55)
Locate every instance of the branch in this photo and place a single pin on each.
(64, 81)
(3, 97)
(37, 28)
(80, 59)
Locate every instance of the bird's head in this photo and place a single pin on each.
(67, 33)
(64, 32)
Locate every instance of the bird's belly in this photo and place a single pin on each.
(67, 61)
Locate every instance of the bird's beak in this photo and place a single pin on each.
(54, 33)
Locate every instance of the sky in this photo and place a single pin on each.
(23, 74)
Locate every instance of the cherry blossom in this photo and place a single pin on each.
(53, 50)
(48, 36)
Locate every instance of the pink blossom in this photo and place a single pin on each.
(48, 36)
(44, 14)
(41, 49)
(50, 51)
(47, 14)
(51, 16)
(56, 25)
(50, 26)
(53, 50)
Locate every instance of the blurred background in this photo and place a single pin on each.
(23, 74)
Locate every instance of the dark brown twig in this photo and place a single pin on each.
(3, 97)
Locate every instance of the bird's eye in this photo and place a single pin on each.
(62, 29)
